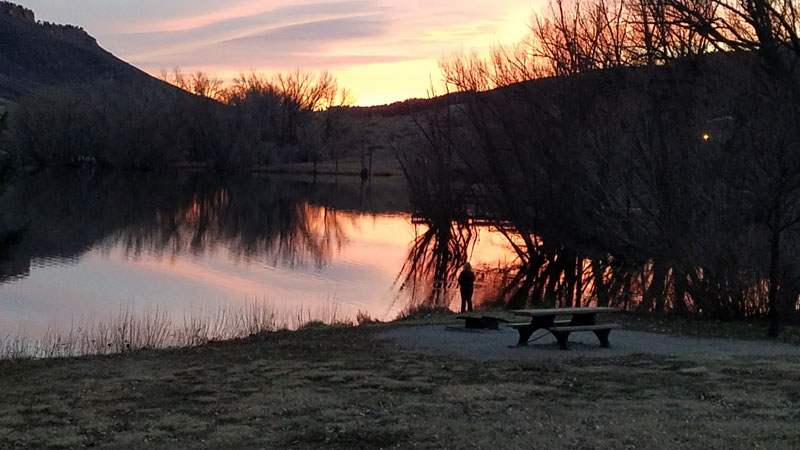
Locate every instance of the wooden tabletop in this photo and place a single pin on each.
(564, 311)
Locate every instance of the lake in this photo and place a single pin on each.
(96, 243)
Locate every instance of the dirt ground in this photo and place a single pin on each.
(348, 388)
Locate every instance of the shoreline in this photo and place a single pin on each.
(152, 330)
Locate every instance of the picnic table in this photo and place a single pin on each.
(571, 320)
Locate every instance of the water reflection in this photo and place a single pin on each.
(69, 214)
(437, 252)
(95, 241)
(180, 241)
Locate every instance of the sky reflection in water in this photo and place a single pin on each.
(345, 259)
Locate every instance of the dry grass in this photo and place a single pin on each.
(341, 388)
(426, 315)
(151, 328)
(385, 135)
(5, 105)
(134, 329)
(749, 330)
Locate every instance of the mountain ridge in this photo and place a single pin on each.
(35, 55)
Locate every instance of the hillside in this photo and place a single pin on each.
(39, 54)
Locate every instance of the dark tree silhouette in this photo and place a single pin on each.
(636, 163)
(9, 235)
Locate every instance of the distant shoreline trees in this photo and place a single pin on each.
(148, 124)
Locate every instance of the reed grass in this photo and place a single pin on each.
(134, 329)
(423, 311)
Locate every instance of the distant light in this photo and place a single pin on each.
(706, 137)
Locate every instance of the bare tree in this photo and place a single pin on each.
(769, 30)
(197, 83)
(618, 163)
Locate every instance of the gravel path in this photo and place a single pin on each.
(494, 345)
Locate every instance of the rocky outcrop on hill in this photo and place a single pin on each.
(40, 54)
(17, 12)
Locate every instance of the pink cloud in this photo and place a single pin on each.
(200, 20)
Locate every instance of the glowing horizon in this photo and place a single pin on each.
(381, 50)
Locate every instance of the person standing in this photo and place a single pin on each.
(466, 281)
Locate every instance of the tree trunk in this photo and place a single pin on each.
(370, 162)
(775, 313)
(654, 295)
(569, 280)
(579, 282)
(679, 286)
(600, 288)
(550, 294)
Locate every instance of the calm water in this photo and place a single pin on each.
(97, 242)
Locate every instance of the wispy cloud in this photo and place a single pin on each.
(290, 30)
(249, 10)
(318, 32)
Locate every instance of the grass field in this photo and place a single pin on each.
(340, 387)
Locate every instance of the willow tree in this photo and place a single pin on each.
(608, 133)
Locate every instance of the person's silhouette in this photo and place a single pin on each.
(466, 281)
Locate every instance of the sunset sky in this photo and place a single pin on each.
(383, 50)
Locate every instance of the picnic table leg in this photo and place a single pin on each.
(602, 336)
(562, 337)
(577, 320)
(525, 334)
(537, 323)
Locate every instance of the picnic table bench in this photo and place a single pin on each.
(481, 322)
(580, 319)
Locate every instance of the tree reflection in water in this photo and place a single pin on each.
(275, 221)
(433, 261)
(273, 227)
(437, 253)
